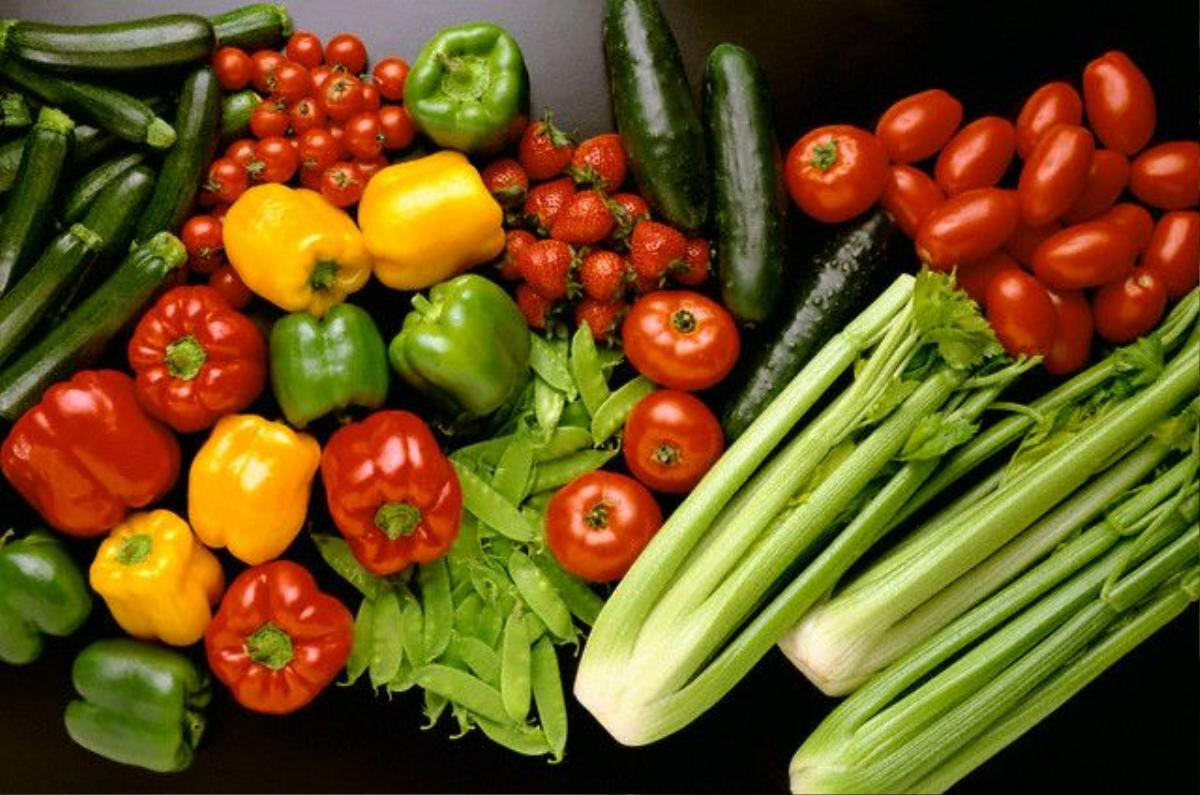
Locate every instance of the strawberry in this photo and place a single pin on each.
(546, 265)
(628, 209)
(603, 275)
(599, 161)
(583, 220)
(506, 180)
(533, 306)
(695, 269)
(655, 249)
(544, 150)
(544, 201)
(602, 317)
(515, 241)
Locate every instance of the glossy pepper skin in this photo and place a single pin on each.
(469, 88)
(391, 492)
(466, 347)
(139, 704)
(248, 486)
(196, 359)
(158, 581)
(320, 365)
(277, 641)
(295, 249)
(86, 454)
(429, 219)
(42, 592)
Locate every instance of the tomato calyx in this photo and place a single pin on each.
(667, 454)
(596, 517)
(270, 646)
(683, 321)
(397, 519)
(825, 156)
(184, 357)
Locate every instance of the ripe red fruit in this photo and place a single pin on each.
(534, 306)
(601, 317)
(583, 220)
(603, 275)
(398, 128)
(506, 180)
(546, 266)
(696, 262)
(656, 248)
(545, 201)
(600, 162)
(515, 241)
(544, 150)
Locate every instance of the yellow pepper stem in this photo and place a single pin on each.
(135, 549)
(270, 646)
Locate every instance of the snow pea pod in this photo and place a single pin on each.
(336, 552)
(515, 470)
(362, 650)
(586, 370)
(548, 696)
(567, 439)
(562, 471)
(548, 404)
(463, 688)
(491, 507)
(549, 361)
(613, 412)
(540, 595)
(387, 639)
(584, 603)
(434, 579)
(412, 623)
(525, 740)
(479, 657)
(515, 667)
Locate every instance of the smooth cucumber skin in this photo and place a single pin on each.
(152, 43)
(654, 111)
(253, 27)
(843, 277)
(93, 183)
(27, 216)
(749, 202)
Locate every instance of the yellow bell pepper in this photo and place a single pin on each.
(428, 220)
(295, 249)
(157, 580)
(249, 484)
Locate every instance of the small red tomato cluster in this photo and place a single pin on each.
(1029, 243)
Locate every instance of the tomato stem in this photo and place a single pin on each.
(684, 321)
(597, 516)
(825, 156)
(666, 454)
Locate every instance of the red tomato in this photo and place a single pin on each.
(977, 156)
(371, 99)
(837, 172)
(1084, 255)
(1106, 179)
(319, 75)
(341, 96)
(1127, 308)
(974, 277)
(347, 51)
(918, 126)
(680, 339)
(319, 150)
(967, 227)
(269, 118)
(342, 184)
(1120, 102)
(1021, 313)
(1174, 251)
(371, 166)
(397, 126)
(1025, 239)
(233, 67)
(364, 136)
(1055, 174)
(671, 439)
(290, 82)
(909, 196)
(265, 63)
(1052, 104)
(390, 75)
(226, 180)
(599, 523)
(1167, 176)
(1072, 332)
(201, 236)
(1134, 219)
(278, 160)
(226, 281)
(305, 115)
(305, 49)
(241, 151)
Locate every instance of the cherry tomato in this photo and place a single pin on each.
(341, 96)
(304, 115)
(974, 277)
(1120, 102)
(305, 49)
(977, 156)
(1021, 313)
(265, 63)
(201, 236)
(397, 126)
(278, 158)
(319, 75)
(1024, 240)
(226, 180)
(909, 195)
(390, 75)
(1055, 174)
(1106, 179)
(1127, 308)
(1174, 252)
(671, 439)
(347, 51)
(342, 184)
(1167, 176)
(233, 67)
(680, 339)
(225, 280)
(268, 119)
(290, 82)
(918, 126)
(1072, 332)
(599, 523)
(371, 99)
(1084, 255)
(369, 167)
(241, 151)
(339, 134)
(1052, 104)
(837, 172)
(1134, 219)
(364, 136)
(967, 227)
(319, 150)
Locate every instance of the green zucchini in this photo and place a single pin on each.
(87, 143)
(90, 185)
(14, 111)
(235, 113)
(196, 125)
(150, 43)
(253, 27)
(121, 114)
(844, 276)
(654, 111)
(749, 202)
(79, 339)
(27, 219)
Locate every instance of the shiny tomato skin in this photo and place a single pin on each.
(977, 156)
(1073, 332)
(1120, 102)
(974, 277)
(1021, 313)
(1025, 239)
(1167, 176)
(835, 173)
(1053, 103)
(1134, 219)
(916, 127)
(1106, 180)
(1127, 308)
(671, 440)
(1174, 252)
(598, 524)
(967, 227)
(909, 196)
(1055, 174)
(1084, 255)
(680, 339)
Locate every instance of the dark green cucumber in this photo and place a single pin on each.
(150, 43)
(87, 142)
(14, 111)
(654, 111)
(121, 114)
(749, 203)
(27, 218)
(235, 113)
(253, 27)
(196, 126)
(79, 339)
(91, 184)
(845, 274)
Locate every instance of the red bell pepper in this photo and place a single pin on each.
(277, 641)
(196, 358)
(391, 492)
(87, 454)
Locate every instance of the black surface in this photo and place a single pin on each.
(1134, 730)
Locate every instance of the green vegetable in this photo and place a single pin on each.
(87, 143)
(235, 113)
(363, 650)
(42, 592)
(585, 370)
(610, 416)
(253, 27)
(387, 645)
(117, 47)
(90, 185)
(336, 552)
(548, 696)
(515, 673)
(491, 508)
(654, 111)
(14, 111)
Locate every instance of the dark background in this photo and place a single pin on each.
(1135, 729)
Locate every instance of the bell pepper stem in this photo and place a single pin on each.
(184, 357)
(466, 77)
(422, 305)
(323, 275)
(6, 536)
(135, 549)
(270, 646)
(396, 519)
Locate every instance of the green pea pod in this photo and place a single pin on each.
(586, 371)
(464, 717)
(610, 358)
(514, 667)
(540, 595)
(434, 579)
(561, 471)
(548, 696)
(403, 680)
(336, 553)
(575, 415)
(537, 503)
(548, 404)
(435, 705)
(412, 623)
(462, 688)
(534, 627)
(491, 623)
(515, 470)
(525, 740)
(566, 440)
(584, 603)
(492, 508)
(487, 451)
(549, 361)
(387, 639)
(613, 412)
(363, 648)
(479, 657)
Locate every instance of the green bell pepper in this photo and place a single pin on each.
(140, 704)
(469, 89)
(319, 365)
(42, 592)
(466, 347)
